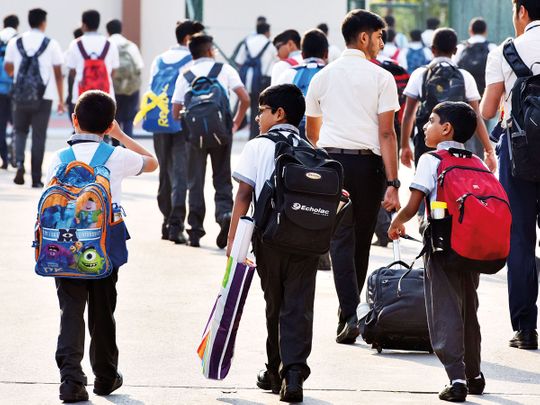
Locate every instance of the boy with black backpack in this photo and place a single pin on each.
(201, 92)
(296, 190)
(468, 233)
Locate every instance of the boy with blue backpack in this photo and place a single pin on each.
(82, 241)
(202, 93)
(416, 54)
(169, 136)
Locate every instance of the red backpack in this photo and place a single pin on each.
(95, 75)
(479, 216)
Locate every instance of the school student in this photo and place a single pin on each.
(523, 194)
(77, 33)
(450, 292)
(288, 47)
(171, 148)
(33, 92)
(202, 50)
(358, 131)
(416, 54)
(288, 280)
(92, 119)
(333, 50)
(432, 24)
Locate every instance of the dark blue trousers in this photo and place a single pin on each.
(522, 273)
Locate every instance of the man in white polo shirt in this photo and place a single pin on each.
(350, 108)
(523, 194)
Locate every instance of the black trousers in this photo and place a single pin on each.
(101, 297)
(221, 177)
(288, 283)
(253, 111)
(126, 109)
(35, 115)
(452, 305)
(171, 153)
(365, 181)
(5, 117)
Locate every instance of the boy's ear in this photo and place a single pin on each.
(109, 129)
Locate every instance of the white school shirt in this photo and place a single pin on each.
(52, 56)
(255, 44)
(427, 37)
(256, 162)
(416, 81)
(171, 56)
(349, 94)
(122, 163)
(7, 33)
(288, 75)
(119, 40)
(475, 39)
(93, 44)
(498, 70)
(402, 57)
(282, 65)
(334, 52)
(228, 78)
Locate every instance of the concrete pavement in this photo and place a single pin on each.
(165, 294)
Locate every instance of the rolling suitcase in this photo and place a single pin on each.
(397, 316)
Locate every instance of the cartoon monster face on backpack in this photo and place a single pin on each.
(59, 255)
(89, 261)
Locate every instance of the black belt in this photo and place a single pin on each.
(350, 151)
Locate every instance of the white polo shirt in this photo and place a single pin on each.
(282, 65)
(93, 44)
(288, 75)
(416, 81)
(122, 163)
(349, 94)
(255, 44)
(498, 70)
(475, 39)
(52, 56)
(171, 56)
(228, 78)
(120, 41)
(256, 162)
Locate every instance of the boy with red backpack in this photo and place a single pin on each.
(468, 233)
(288, 48)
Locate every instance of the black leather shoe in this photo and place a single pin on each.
(19, 175)
(4, 165)
(456, 392)
(291, 387)
(268, 381)
(164, 231)
(72, 391)
(194, 241)
(476, 385)
(525, 339)
(37, 184)
(349, 332)
(224, 223)
(106, 387)
(176, 235)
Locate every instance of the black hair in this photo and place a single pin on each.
(200, 44)
(323, 27)
(433, 23)
(416, 35)
(287, 96)
(11, 21)
(185, 28)
(314, 44)
(286, 36)
(445, 40)
(77, 33)
(357, 21)
(36, 17)
(114, 27)
(91, 18)
(460, 115)
(390, 35)
(390, 20)
(532, 7)
(261, 19)
(263, 28)
(478, 26)
(384, 36)
(95, 111)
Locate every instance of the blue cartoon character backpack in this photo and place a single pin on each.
(75, 218)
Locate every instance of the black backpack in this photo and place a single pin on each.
(207, 114)
(29, 86)
(524, 131)
(254, 63)
(473, 59)
(296, 210)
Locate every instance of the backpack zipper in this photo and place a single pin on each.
(445, 171)
(461, 202)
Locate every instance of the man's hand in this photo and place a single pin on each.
(61, 109)
(490, 160)
(407, 156)
(396, 230)
(391, 200)
(116, 132)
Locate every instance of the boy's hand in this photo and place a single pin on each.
(396, 230)
(407, 156)
(60, 108)
(490, 160)
(116, 131)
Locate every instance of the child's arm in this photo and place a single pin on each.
(405, 214)
(150, 162)
(241, 207)
(407, 125)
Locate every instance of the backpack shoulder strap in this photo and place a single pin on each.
(20, 47)
(189, 76)
(514, 60)
(275, 136)
(105, 50)
(82, 50)
(215, 71)
(102, 154)
(182, 61)
(67, 155)
(260, 54)
(42, 47)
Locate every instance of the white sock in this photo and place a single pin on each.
(458, 381)
(479, 377)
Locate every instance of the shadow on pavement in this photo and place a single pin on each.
(506, 373)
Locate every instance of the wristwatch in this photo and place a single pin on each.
(393, 183)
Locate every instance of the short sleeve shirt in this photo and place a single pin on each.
(228, 78)
(52, 56)
(416, 81)
(93, 44)
(122, 163)
(282, 65)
